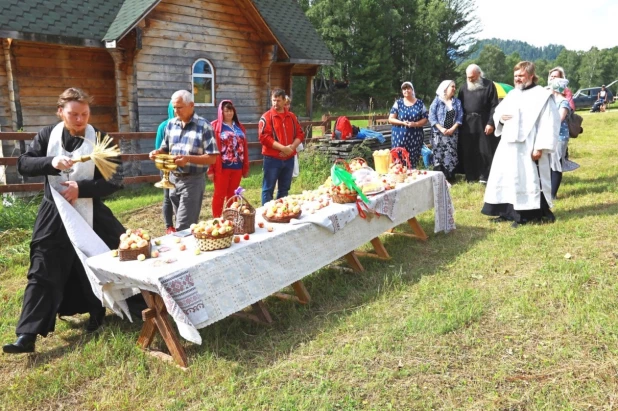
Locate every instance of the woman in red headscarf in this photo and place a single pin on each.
(233, 163)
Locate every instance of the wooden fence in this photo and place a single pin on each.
(323, 128)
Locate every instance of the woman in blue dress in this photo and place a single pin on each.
(408, 116)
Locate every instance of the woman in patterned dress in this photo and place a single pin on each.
(445, 116)
(233, 163)
(408, 116)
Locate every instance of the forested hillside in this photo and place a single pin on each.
(525, 50)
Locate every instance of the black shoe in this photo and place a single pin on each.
(24, 344)
(498, 220)
(96, 320)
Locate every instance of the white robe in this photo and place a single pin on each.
(515, 178)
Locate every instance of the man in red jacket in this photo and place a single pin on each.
(280, 134)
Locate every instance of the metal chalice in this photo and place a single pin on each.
(165, 163)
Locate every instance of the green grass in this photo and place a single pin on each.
(487, 317)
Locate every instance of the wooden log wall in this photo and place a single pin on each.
(5, 104)
(280, 77)
(177, 33)
(44, 71)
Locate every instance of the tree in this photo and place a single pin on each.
(493, 63)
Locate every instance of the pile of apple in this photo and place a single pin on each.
(281, 208)
(357, 164)
(242, 208)
(342, 189)
(215, 228)
(398, 168)
(133, 239)
(387, 183)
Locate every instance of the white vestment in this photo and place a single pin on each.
(515, 178)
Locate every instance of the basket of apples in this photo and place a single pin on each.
(342, 194)
(281, 210)
(238, 210)
(357, 163)
(400, 162)
(213, 234)
(134, 244)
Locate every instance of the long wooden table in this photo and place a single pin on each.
(225, 282)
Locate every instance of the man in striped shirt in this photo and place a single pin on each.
(189, 138)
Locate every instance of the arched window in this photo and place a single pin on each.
(203, 82)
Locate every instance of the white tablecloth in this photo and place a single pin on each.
(199, 290)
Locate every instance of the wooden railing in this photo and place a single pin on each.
(323, 127)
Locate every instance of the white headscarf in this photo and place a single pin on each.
(558, 84)
(441, 90)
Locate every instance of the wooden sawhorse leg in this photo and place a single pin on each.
(156, 319)
(418, 231)
(380, 251)
(302, 295)
(258, 313)
(354, 262)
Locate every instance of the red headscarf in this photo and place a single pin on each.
(216, 126)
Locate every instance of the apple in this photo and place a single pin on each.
(270, 228)
(197, 251)
(182, 247)
(157, 242)
(246, 236)
(114, 253)
(141, 257)
(237, 239)
(177, 240)
(261, 224)
(154, 254)
(134, 246)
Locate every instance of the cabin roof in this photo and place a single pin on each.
(55, 22)
(294, 31)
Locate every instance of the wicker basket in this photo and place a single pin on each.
(243, 223)
(131, 254)
(281, 220)
(344, 198)
(361, 162)
(207, 242)
(344, 164)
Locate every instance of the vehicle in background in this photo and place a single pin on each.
(586, 97)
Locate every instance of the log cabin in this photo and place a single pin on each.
(131, 55)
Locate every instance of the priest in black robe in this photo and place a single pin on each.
(57, 282)
(477, 143)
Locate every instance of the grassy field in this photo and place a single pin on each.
(487, 317)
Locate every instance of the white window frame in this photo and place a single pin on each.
(200, 75)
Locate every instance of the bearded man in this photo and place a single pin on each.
(528, 121)
(477, 144)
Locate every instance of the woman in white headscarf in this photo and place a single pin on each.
(558, 157)
(445, 117)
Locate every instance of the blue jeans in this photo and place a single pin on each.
(278, 172)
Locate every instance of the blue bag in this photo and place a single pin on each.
(366, 133)
(427, 156)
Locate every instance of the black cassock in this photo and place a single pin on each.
(57, 282)
(475, 149)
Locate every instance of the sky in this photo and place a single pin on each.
(539, 22)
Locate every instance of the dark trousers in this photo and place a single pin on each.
(57, 284)
(278, 172)
(556, 179)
